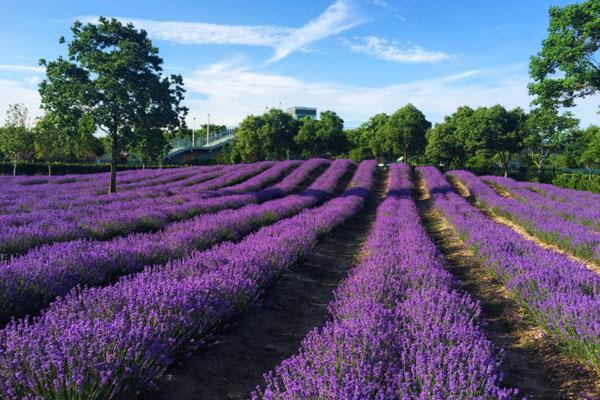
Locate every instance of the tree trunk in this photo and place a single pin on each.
(49, 169)
(405, 155)
(15, 167)
(112, 188)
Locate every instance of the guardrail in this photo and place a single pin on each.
(200, 141)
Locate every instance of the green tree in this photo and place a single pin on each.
(359, 139)
(590, 156)
(547, 131)
(148, 143)
(113, 74)
(451, 142)
(567, 66)
(403, 134)
(307, 138)
(269, 136)
(16, 139)
(57, 138)
(358, 143)
(322, 137)
(504, 132)
(475, 138)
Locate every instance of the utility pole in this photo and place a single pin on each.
(207, 127)
(193, 132)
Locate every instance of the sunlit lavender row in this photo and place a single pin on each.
(99, 343)
(561, 295)
(548, 225)
(401, 329)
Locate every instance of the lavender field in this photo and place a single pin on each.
(312, 279)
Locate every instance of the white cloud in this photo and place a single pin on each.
(205, 33)
(20, 68)
(33, 80)
(392, 51)
(232, 92)
(17, 92)
(337, 18)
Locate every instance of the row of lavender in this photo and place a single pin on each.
(62, 197)
(100, 343)
(18, 182)
(103, 221)
(561, 295)
(585, 199)
(401, 328)
(28, 283)
(29, 195)
(547, 225)
(574, 208)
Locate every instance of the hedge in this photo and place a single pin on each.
(590, 183)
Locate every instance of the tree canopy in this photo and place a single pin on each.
(402, 134)
(503, 132)
(269, 136)
(590, 154)
(547, 132)
(322, 137)
(16, 139)
(567, 67)
(58, 140)
(113, 75)
(470, 137)
(451, 142)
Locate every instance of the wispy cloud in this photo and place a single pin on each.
(381, 3)
(230, 92)
(20, 68)
(205, 33)
(338, 17)
(393, 51)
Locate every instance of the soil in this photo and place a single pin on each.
(462, 189)
(501, 190)
(233, 365)
(530, 361)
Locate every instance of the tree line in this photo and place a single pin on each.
(476, 138)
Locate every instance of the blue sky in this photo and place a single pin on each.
(356, 57)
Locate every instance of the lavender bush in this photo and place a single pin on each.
(570, 208)
(401, 329)
(546, 225)
(102, 343)
(117, 218)
(561, 295)
(28, 283)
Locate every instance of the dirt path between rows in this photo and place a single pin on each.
(463, 190)
(233, 365)
(530, 361)
(501, 190)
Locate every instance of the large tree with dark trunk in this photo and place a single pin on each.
(114, 76)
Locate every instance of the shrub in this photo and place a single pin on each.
(591, 183)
